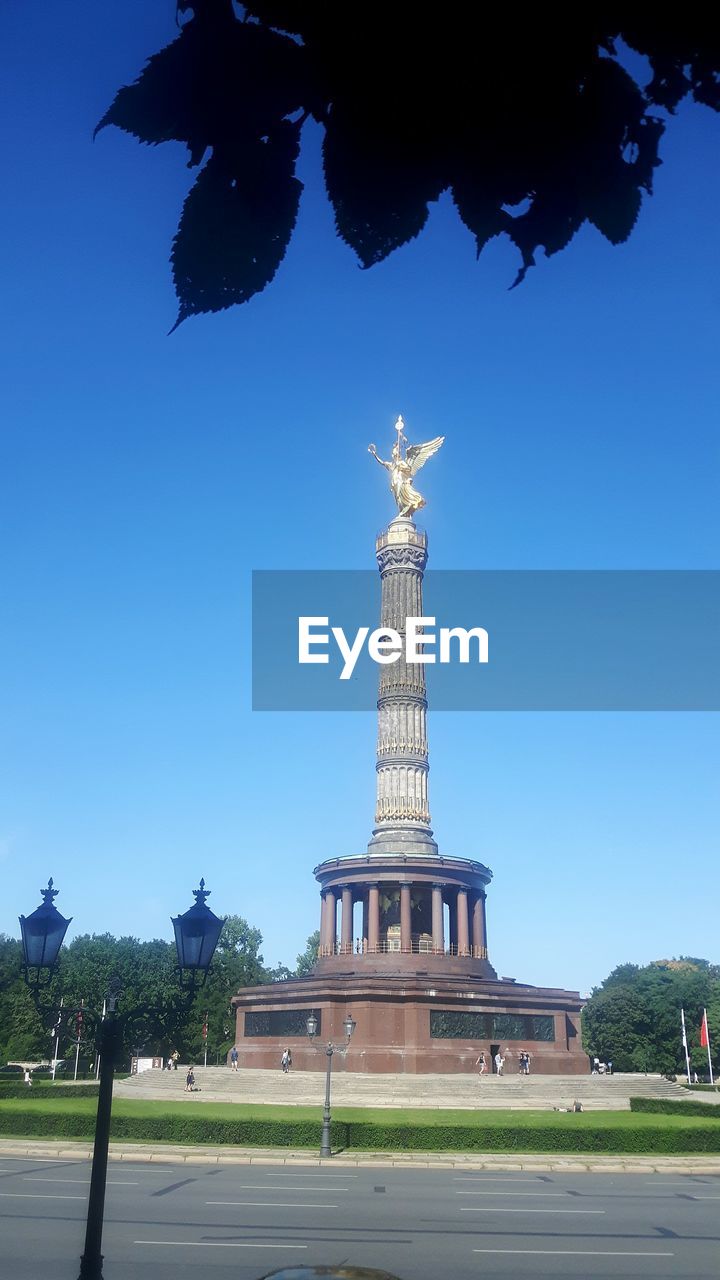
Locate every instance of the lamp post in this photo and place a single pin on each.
(196, 935)
(330, 1049)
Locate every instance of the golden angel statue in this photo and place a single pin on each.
(402, 469)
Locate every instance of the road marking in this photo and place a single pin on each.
(41, 1160)
(218, 1244)
(581, 1253)
(262, 1186)
(490, 1177)
(272, 1174)
(35, 1195)
(703, 1197)
(559, 1194)
(272, 1204)
(467, 1209)
(112, 1182)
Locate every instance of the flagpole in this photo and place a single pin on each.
(57, 1039)
(707, 1043)
(78, 1030)
(685, 1044)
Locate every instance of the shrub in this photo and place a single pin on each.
(46, 1089)
(670, 1107)
(572, 1134)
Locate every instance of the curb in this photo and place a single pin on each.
(146, 1153)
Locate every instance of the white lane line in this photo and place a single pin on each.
(271, 1204)
(111, 1182)
(687, 1184)
(581, 1253)
(262, 1186)
(42, 1160)
(35, 1195)
(272, 1174)
(536, 1194)
(467, 1209)
(490, 1177)
(704, 1197)
(218, 1244)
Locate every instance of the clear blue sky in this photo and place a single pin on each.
(143, 477)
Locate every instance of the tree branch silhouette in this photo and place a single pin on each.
(528, 119)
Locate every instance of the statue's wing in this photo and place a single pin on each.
(418, 454)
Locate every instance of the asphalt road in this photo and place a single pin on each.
(244, 1222)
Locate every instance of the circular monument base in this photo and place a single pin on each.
(424, 1023)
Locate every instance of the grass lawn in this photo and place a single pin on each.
(237, 1112)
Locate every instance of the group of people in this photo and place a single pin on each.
(286, 1060)
(499, 1062)
(601, 1068)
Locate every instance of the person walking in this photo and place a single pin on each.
(190, 1080)
(499, 1063)
(27, 1078)
(481, 1064)
(284, 1060)
(234, 1058)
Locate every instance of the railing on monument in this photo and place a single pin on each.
(387, 946)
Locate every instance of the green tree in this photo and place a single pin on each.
(237, 963)
(158, 1020)
(530, 122)
(22, 1035)
(634, 1016)
(280, 973)
(305, 962)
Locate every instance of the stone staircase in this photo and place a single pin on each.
(303, 1088)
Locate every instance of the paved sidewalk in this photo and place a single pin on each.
(159, 1153)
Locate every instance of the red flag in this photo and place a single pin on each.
(704, 1036)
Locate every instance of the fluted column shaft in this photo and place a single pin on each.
(478, 927)
(402, 813)
(405, 918)
(373, 917)
(346, 922)
(437, 919)
(463, 933)
(330, 935)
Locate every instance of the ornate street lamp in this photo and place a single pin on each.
(196, 937)
(42, 935)
(197, 932)
(311, 1026)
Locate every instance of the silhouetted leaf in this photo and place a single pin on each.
(216, 83)
(378, 181)
(236, 224)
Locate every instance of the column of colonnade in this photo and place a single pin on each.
(468, 927)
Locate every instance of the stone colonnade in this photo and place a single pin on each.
(466, 911)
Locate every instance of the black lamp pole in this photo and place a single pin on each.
(196, 936)
(110, 1040)
(330, 1049)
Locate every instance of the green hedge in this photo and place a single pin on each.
(47, 1089)
(669, 1107)
(369, 1136)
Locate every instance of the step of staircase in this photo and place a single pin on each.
(300, 1088)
